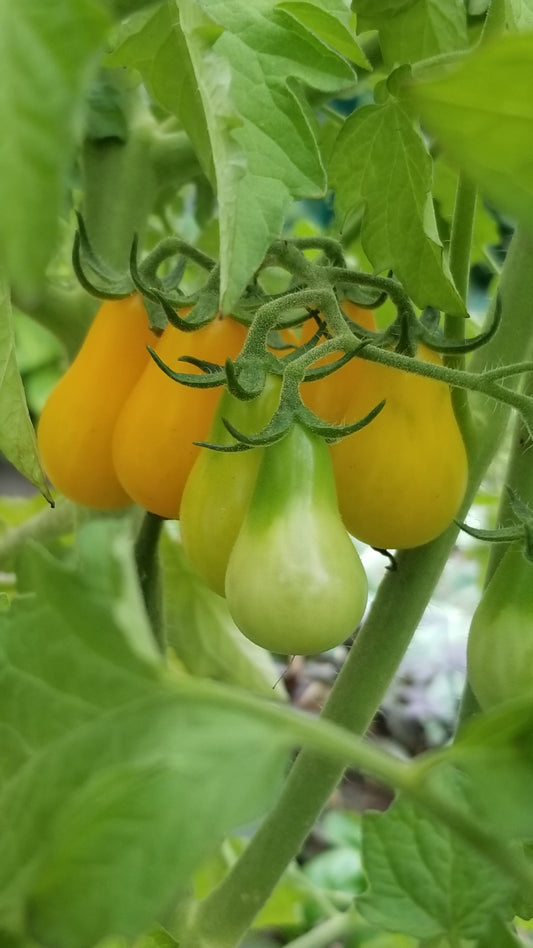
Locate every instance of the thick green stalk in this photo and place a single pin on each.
(119, 190)
(460, 249)
(519, 476)
(223, 918)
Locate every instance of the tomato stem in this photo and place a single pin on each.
(460, 250)
(398, 606)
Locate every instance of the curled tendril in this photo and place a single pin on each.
(286, 415)
(193, 320)
(430, 339)
(110, 284)
(215, 375)
(523, 530)
(332, 433)
(209, 368)
(149, 290)
(372, 302)
(245, 382)
(503, 535)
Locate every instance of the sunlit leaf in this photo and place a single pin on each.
(381, 164)
(410, 31)
(481, 112)
(41, 102)
(113, 787)
(17, 437)
(248, 60)
(424, 881)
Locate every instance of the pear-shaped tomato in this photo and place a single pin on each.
(401, 479)
(329, 397)
(500, 641)
(76, 425)
(294, 582)
(220, 485)
(153, 443)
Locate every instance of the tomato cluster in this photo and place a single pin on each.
(267, 527)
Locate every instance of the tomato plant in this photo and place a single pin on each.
(318, 217)
(154, 437)
(329, 397)
(220, 485)
(294, 582)
(401, 479)
(76, 425)
(500, 641)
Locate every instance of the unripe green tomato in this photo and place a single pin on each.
(220, 485)
(294, 582)
(500, 641)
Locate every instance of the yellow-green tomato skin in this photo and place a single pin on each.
(294, 583)
(500, 641)
(76, 426)
(220, 485)
(401, 479)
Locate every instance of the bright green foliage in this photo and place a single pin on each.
(481, 111)
(202, 633)
(332, 22)
(234, 91)
(496, 749)
(519, 14)
(399, 229)
(41, 97)
(17, 437)
(260, 130)
(153, 43)
(410, 30)
(112, 787)
(425, 881)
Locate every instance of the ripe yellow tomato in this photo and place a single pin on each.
(153, 442)
(401, 479)
(329, 397)
(76, 425)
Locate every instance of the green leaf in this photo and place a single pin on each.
(500, 936)
(381, 163)
(17, 437)
(203, 634)
(333, 25)
(115, 783)
(248, 60)
(496, 750)
(424, 881)
(41, 101)
(416, 30)
(481, 111)
(370, 10)
(153, 43)
(520, 14)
